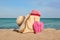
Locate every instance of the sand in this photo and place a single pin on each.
(46, 34)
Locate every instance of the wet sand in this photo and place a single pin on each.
(46, 34)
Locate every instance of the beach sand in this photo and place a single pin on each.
(46, 34)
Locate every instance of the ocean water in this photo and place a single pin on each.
(10, 23)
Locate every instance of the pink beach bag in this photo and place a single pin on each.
(38, 26)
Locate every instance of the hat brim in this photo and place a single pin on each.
(20, 20)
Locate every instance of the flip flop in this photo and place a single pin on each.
(38, 26)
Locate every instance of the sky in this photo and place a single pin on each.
(15, 8)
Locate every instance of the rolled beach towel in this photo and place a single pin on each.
(20, 20)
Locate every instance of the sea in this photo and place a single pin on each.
(10, 23)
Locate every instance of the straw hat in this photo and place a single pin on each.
(20, 20)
